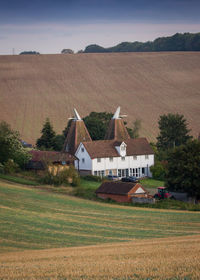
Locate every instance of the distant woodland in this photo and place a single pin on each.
(177, 42)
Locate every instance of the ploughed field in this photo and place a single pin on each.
(146, 85)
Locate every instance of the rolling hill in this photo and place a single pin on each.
(106, 241)
(145, 85)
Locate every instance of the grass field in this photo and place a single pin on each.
(170, 258)
(51, 85)
(18, 180)
(32, 218)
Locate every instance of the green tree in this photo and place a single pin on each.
(97, 124)
(173, 131)
(46, 141)
(11, 147)
(58, 142)
(183, 169)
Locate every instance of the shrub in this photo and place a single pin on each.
(92, 178)
(10, 167)
(62, 178)
(75, 181)
(158, 171)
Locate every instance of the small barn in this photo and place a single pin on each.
(121, 191)
(54, 161)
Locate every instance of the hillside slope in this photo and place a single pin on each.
(145, 85)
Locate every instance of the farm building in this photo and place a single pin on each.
(77, 134)
(117, 155)
(54, 161)
(121, 191)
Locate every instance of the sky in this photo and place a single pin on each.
(48, 26)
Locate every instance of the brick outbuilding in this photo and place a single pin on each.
(121, 191)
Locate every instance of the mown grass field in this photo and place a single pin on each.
(32, 218)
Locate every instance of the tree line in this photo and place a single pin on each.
(177, 42)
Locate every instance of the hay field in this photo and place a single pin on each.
(146, 85)
(32, 218)
(169, 258)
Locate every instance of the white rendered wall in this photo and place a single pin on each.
(128, 163)
(87, 164)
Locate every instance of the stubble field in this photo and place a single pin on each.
(169, 258)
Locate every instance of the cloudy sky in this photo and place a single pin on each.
(48, 26)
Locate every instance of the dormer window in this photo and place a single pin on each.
(121, 149)
(82, 149)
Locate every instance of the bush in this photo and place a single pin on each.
(75, 181)
(158, 171)
(62, 178)
(92, 178)
(10, 167)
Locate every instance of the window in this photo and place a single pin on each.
(101, 173)
(146, 156)
(83, 160)
(95, 173)
(82, 149)
(143, 170)
(135, 157)
(111, 159)
(98, 160)
(122, 148)
(119, 172)
(123, 158)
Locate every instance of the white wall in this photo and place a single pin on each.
(128, 163)
(87, 164)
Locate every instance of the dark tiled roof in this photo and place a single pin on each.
(122, 188)
(51, 156)
(106, 148)
(77, 133)
(117, 130)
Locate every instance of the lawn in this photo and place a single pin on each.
(32, 218)
(151, 183)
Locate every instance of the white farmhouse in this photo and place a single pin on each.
(117, 155)
(131, 157)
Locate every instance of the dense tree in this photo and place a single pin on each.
(173, 131)
(183, 169)
(97, 124)
(58, 142)
(11, 147)
(67, 51)
(46, 141)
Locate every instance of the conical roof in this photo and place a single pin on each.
(77, 133)
(116, 129)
